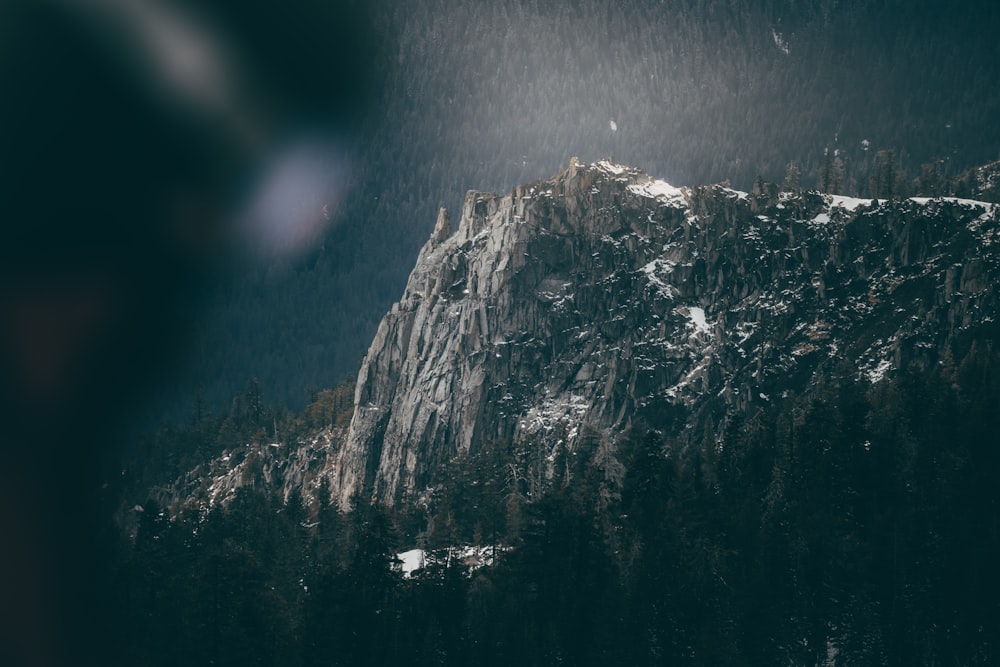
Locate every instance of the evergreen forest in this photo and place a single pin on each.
(852, 524)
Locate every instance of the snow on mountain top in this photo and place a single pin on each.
(848, 203)
(657, 190)
(652, 188)
(611, 168)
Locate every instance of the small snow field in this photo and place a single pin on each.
(471, 558)
(847, 203)
(657, 190)
(611, 168)
(697, 316)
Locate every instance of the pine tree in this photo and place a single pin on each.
(827, 178)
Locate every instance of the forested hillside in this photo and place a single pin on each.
(852, 97)
(853, 524)
(823, 492)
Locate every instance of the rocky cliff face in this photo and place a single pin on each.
(280, 467)
(601, 296)
(575, 306)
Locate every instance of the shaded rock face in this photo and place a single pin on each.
(601, 296)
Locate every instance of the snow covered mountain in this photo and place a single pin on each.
(581, 304)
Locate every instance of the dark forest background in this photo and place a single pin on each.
(816, 94)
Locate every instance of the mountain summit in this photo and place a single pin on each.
(602, 296)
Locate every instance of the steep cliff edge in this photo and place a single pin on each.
(602, 295)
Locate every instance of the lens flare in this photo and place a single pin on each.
(296, 198)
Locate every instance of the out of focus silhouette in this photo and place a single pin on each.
(142, 144)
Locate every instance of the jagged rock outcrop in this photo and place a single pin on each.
(278, 466)
(602, 295)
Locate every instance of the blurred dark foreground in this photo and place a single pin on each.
(135, 139)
